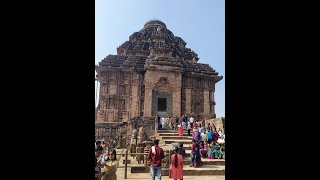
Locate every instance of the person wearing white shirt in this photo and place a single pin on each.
(204, 137)
(163, 122)
(191, 121)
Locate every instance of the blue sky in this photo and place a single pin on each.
(201, 24)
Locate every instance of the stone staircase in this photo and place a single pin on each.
(167, 137)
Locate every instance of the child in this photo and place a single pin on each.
(210, 151)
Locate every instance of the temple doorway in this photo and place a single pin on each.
(162, 104)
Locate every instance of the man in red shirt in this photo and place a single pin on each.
(156, 154)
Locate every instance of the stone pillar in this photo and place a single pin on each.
(176, 99)
(206, 103)
(188, 101)
(148, 101)
(149, 85)
(135, 101)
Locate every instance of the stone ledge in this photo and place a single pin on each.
(187, 171)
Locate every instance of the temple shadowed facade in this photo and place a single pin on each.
(152, 74)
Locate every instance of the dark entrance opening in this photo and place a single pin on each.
(162, 104)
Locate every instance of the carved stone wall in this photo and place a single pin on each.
(197, 96)
(121, 96)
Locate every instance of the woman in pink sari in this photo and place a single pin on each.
(176, 165)
(180, 129)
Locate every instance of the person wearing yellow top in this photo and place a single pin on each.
(110, 166)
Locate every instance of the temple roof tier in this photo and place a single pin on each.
(154, 46)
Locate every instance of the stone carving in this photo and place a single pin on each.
(119, 137)
(134, 140)
(127, 78)
(112, 77)
(135, 135)
(140, 149)
(128, 90)
(111, 103)
(120, 116)
(163, 85)
(122, 90)
(141, 135)
(121, 77)
(122, 104)
(102, 103)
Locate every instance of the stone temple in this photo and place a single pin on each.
(153, 73)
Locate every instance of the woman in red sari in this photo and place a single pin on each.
(176, 165)
(180, 129)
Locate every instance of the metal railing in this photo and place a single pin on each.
(146, 160)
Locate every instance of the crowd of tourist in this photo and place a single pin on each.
(207, 142)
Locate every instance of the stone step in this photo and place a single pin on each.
(203, 170)
(186, 161)
(185, 146)
(206, 161)
(185, 142)
(187, 171)
(174, 134)
(188, 153)
(170, 131)
(176, 137)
